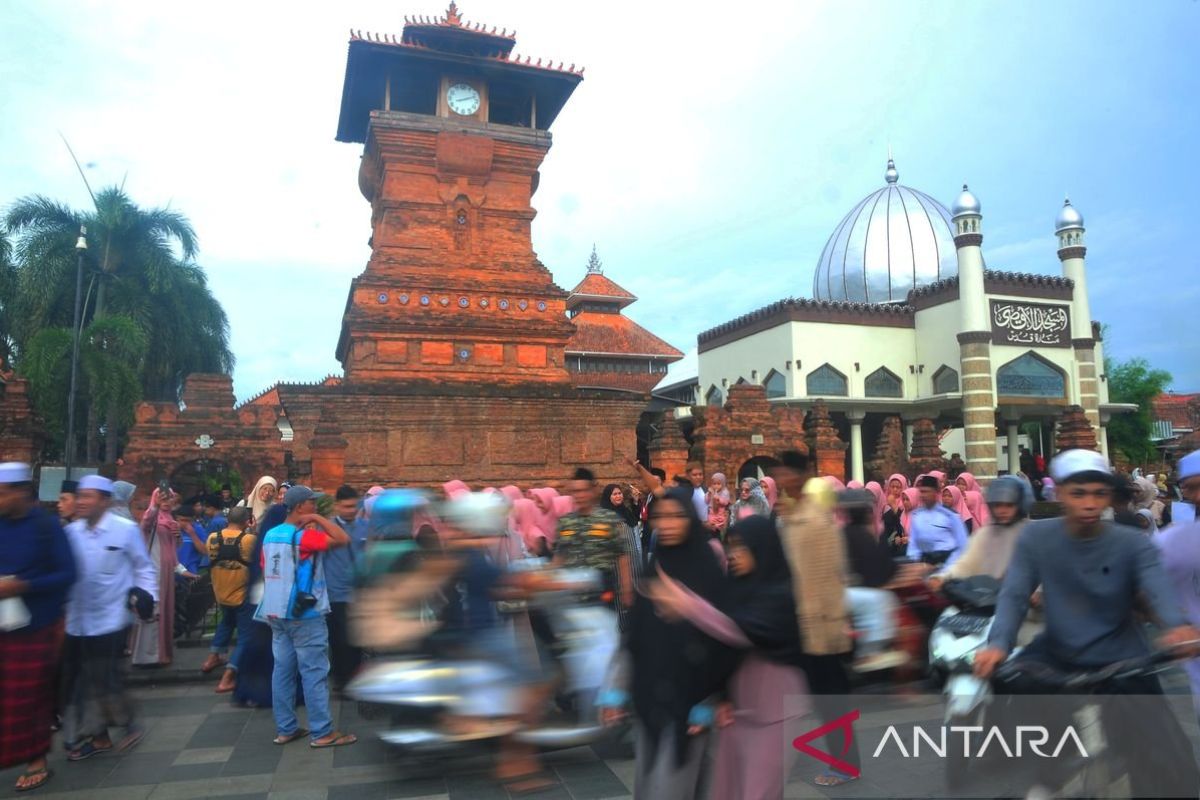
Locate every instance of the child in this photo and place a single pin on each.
(718, 504)
(230, 552)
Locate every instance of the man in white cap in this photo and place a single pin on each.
(37, 569)
(116, 575)
(1180, 547)
(1094, 574)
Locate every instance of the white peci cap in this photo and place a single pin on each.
(97, 482)
(1189, 465)
(15, 472)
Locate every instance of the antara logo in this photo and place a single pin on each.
(1033, 737)
(846, 724)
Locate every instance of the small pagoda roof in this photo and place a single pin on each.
(457, 44)
(599, 334)
(596, 286)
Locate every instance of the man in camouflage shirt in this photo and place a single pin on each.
(595, 537)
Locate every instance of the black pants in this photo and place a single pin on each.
(345, 658)
(1138, 725)
(829, 685)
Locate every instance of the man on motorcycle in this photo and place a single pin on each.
(1093, 573)
(990, 549)
(1180, 547)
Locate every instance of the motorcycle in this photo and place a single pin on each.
(961, 631)
(430, 695)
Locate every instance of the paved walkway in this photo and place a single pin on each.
(198, 745)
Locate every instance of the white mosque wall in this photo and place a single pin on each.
(937, 342)
(954, 441)
(842, 346)
(1101, 370)
(754, 355)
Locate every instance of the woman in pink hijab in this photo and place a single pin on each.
(453, 489)
(770, 489)
(966, 481)
(512, 493)
(978, 508)
(837, 485)
(524, 522)
(911, 501)
(855, 485)
(941, 476)
(543, 498)
(952, 498)
(880, 504)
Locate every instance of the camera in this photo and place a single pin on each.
(304, 602)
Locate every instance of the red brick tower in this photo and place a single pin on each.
(455, 128)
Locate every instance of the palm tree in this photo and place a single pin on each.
(8, 294)
(141, 267)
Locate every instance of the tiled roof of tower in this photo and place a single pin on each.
(617, 335)
(596, 286)
(526, 62)
(1174, 409)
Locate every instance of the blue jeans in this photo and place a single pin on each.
(300, 644)
(231, 617)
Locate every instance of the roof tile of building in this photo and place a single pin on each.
(270, 395)
(1173, 408)
(595, 284)
(615, 334)
(817, 311)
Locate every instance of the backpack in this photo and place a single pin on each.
(229, 554)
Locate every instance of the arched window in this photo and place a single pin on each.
(883, 383)
(1030, 375)
(825, 381)
(945, 380)
(714, 397)
(776, 384)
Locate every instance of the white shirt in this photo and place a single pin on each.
(112, 559)
(700, 501)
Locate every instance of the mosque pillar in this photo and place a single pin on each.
(978, 404)
(1014, 446)
(856, 445)
(1089, 384)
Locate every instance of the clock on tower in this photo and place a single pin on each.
(454, 128)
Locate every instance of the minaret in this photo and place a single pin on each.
(1071, 250)
(974, 339)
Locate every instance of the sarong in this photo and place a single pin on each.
(94, 668)
(28, 661)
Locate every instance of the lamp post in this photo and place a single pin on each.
(81, 251)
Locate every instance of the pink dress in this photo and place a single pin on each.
(754, 752)
(154, 642)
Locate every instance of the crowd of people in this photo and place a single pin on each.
(728, 598)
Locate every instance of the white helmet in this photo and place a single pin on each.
(477, 513)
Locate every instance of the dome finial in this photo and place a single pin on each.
(1068, 217)
(891, 176)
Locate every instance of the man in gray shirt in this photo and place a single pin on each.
(1092, 573)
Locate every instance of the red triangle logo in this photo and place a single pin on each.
(846, 724)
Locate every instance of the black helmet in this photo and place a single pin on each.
(1011, 489)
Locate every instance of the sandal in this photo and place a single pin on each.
(36, 779)
(300, 733)
(131, 740)
(833, 778)
(336, 739)
(86, 750)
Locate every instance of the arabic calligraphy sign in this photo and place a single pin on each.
(1036, 324)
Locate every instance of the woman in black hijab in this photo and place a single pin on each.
(768, 689)
(614, 500)
(674, 666)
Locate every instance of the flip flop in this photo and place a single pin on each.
(832, 777)
(338, 740)
(85, 751)
(300, 733)
(131, 740)
(40, 777)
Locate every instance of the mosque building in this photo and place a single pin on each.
(907, 320)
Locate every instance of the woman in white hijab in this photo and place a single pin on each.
(261, 498)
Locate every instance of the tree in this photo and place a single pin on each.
(1134, 381)
(8, 295)
(141, 267)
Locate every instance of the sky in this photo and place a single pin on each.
(710, 151)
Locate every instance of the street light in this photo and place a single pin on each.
(81, 250)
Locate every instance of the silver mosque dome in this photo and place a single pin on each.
(966, 203)
(893, 240)
(1068, 217)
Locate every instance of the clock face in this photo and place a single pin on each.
(462, 99)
